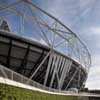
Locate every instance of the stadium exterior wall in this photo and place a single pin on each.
(38, 63)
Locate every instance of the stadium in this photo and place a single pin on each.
(52, 64)
(53, 58)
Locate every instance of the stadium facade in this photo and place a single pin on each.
(46, 67)
(56, 59)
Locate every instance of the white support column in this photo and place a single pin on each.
(48, 68)
(57, 77)
(22, 24)
(60, 61)
(55, 69)
(68, 63)
(53, 63)
(61, 71)
(62, 67)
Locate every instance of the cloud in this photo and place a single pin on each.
(93, 81)
(84, 3)
(95, 30)
(82, 16)
(94, 84)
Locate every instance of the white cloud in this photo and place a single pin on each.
(84, 3)
(73, 12)
(94, 84)
(78, 14)
(95, 30)
(93, 81)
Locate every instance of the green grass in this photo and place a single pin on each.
(8, 92)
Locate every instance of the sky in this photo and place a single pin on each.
(82, 17)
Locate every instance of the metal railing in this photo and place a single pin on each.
(12, 75)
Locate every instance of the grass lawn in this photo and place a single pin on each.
(8, 92)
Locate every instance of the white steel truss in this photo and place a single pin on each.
(57, 36)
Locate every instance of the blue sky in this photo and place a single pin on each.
(82, 17)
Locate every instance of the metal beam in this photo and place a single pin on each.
(3, 72)
(9, 54)
(42, 31)
(48, 68)
(71, 79)
(55, 68)
(39, 66)
(9, 6)
(37, 63)
(68, 64)
(63, 63)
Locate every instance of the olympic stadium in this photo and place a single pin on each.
(51, 58)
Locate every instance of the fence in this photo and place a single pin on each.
(12, 75)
